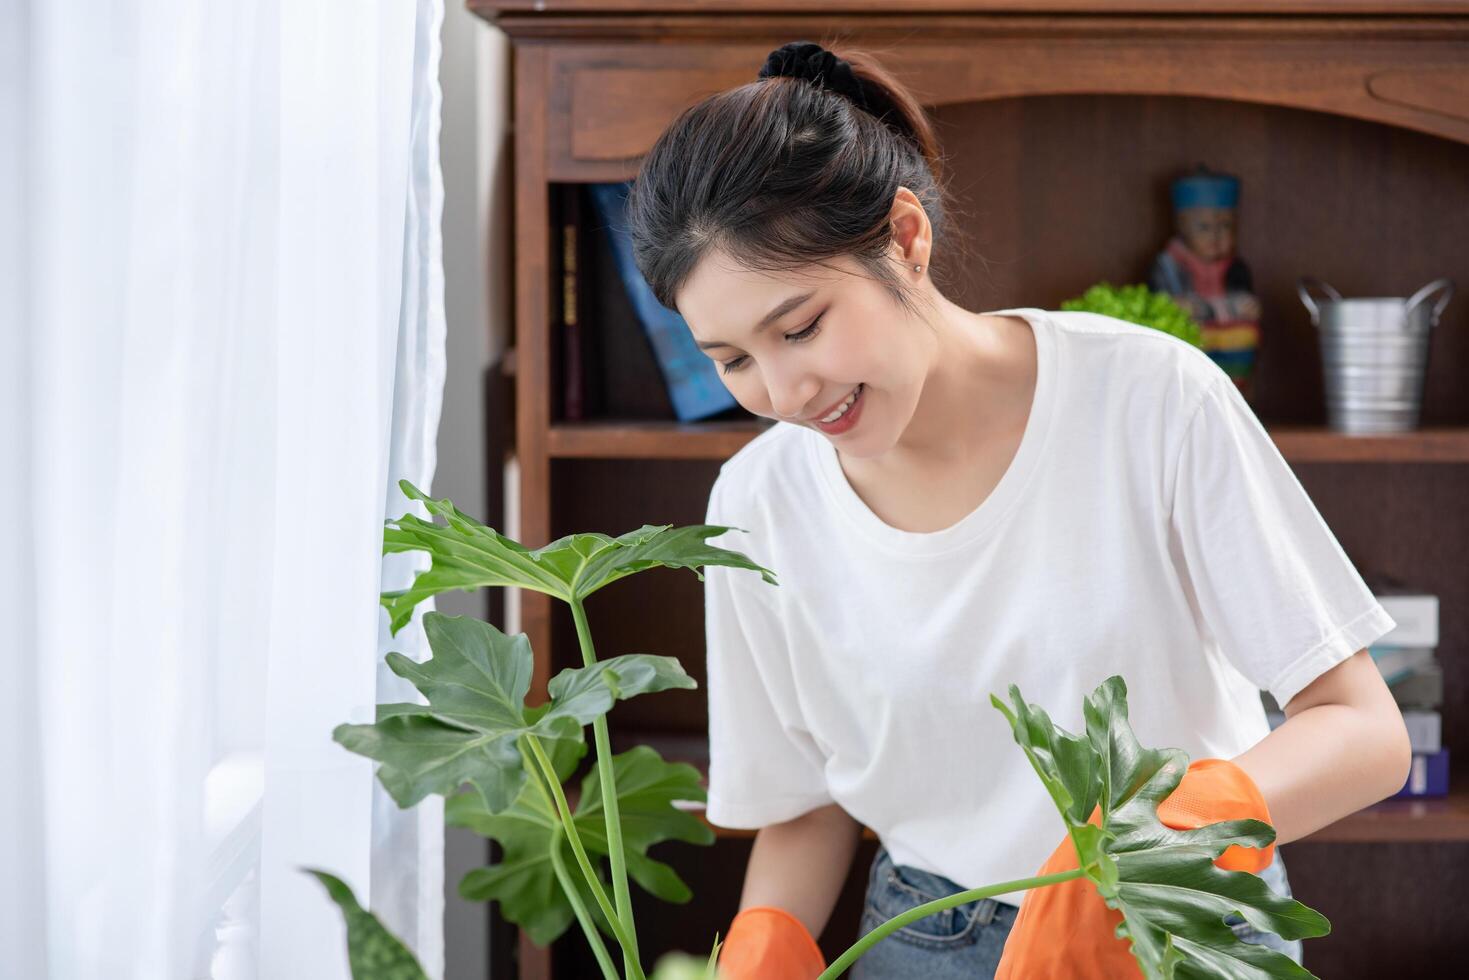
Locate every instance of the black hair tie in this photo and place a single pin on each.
(811, 62)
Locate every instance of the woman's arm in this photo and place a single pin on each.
(1343, 746)
(801, 864)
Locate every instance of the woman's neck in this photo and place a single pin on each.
(979, 387)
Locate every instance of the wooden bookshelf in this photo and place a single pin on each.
(1063, 120)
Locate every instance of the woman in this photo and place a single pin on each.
(955, 502)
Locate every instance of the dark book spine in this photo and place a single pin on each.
(573, 408)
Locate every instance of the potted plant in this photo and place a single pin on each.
(1141, 305)
(501, 764)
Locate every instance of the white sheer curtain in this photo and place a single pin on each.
(221, 292)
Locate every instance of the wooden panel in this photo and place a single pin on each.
(609, 102)
(533, 378)
(492, 8)
(652, 440)
(1445, 819)
(1311, 444)
(1396, 910)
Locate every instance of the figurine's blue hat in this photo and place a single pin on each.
(1205, 189)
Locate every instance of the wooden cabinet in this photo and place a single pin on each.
(1063, 122)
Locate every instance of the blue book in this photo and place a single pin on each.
(692, 378)
(1428, 777)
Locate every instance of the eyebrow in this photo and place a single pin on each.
(781, 309)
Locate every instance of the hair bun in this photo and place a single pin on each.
(813, 63)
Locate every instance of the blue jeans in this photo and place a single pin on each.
(966, 940)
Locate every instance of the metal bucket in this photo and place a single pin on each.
(1374, 354)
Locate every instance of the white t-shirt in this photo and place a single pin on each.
(1147, 527)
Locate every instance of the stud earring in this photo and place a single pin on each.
(918, 268)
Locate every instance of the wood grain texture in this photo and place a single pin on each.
(609, 102)
(1279, 8)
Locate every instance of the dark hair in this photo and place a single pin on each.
(783, 172)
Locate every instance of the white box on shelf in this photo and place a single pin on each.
(1425, 730)
(1416, 615)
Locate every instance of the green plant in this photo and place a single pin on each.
(476, 732)
(1141, 305)
(373, 952)
(1172, 896)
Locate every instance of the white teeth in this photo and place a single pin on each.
(845, 405)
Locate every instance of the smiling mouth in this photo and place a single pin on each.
(838, 404)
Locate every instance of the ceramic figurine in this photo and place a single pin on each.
(1199, 269)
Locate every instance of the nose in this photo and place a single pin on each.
(791, 390)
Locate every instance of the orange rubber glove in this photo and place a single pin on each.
(1067, 932)
(768, 943)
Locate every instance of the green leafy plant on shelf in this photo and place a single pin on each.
(1141, 305)
(501, 765)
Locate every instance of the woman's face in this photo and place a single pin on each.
(833, 329)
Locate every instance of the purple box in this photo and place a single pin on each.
(1428, 777)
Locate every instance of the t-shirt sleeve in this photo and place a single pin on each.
(764, 766)
(1271, 582)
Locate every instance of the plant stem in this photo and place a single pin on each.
(609, 800)
(938, 905)
(558, 864)
(568, 825)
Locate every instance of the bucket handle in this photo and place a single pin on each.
(1445, 284)
(1303, 287)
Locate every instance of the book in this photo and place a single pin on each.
(1429, 776)
(1420, 689)
(1399, 663)
(573, 387)
(1414, 611)
(1425, 730)
(692, 379)
(621, 373)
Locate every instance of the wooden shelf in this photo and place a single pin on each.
(650, 439)
(720, 440)
(1315, 444)
(1394, 821)
(1391, 821)
(495, 8)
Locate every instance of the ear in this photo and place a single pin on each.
(912, 231)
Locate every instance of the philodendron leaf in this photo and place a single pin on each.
(524, 882)
(476, 683)
(646, 789)
(589, 691)
(468, 555)
(1172, 896)
(372, 952)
